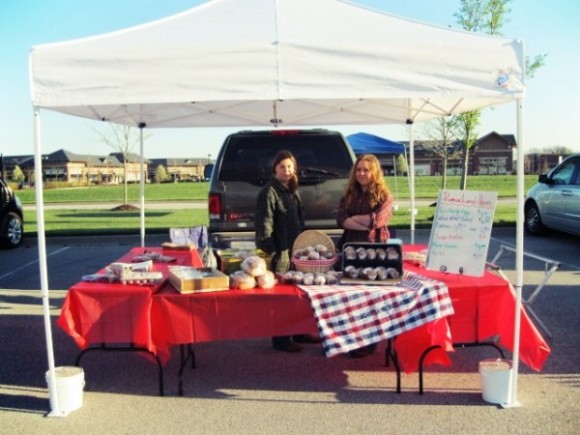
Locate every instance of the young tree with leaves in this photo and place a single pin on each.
(485, 16)
(160, 174)
(401, 166)
(18, 175)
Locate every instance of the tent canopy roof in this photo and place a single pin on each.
(269, 62)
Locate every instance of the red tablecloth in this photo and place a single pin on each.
(233, 314)
(236, 314)
(484, 309)
(115, 313)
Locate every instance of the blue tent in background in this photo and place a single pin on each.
(365, 143)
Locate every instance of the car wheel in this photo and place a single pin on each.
(533, 221)
(12, 231)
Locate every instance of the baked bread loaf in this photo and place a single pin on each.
(254, 266)
(242, 280)
(266, 280)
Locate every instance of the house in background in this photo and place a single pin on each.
(191, 169)
(537, 163)
(68, 167)
(492, 154)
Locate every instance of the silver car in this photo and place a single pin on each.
(554, 203)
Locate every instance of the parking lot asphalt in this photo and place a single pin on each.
(245, 387)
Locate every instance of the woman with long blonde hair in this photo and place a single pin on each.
(366, 207)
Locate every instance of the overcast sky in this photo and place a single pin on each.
(546, 27)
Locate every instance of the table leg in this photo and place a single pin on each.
(455, 345)
(131, 348)
(391, 354)
(186, 352)
(423, 356)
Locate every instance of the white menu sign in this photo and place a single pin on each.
(461, 230)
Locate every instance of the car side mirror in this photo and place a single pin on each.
(543, 178)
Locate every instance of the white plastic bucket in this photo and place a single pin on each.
(69, 384)
(495, 380)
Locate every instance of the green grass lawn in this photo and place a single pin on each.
(101, 222)
(116, 193)
(104, 222)
(425, 187)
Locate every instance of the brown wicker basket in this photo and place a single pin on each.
(313, 238)
(314, 266)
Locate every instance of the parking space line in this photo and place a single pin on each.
(33, 262)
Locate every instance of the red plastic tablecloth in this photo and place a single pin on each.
(115, 313)
(484, 309)
(233, 314)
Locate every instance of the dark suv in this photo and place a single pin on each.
(11, 217)
(244, 165)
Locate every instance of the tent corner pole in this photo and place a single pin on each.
(519, 259)
(142, 184)
(43, 270)
(412, 178)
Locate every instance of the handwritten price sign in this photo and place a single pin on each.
(461, 229)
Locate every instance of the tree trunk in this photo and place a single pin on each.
(463, 183)
(125, 182)
(444, 178)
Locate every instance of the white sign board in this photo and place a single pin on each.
(461, 230)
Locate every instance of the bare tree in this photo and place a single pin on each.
(122, 139)
(559, 150)
(442, 132)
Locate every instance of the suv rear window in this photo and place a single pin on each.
(249, 157)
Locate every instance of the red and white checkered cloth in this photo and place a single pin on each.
(352, 316)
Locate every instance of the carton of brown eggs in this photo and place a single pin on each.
(372, 263)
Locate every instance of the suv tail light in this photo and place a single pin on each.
(284, 132)
(215, 206)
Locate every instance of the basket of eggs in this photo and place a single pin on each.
(313, 252)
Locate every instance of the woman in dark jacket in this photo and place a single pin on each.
(279, 221)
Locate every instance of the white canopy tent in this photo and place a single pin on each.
(277, 62)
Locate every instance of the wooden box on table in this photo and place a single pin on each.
(198, 280)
